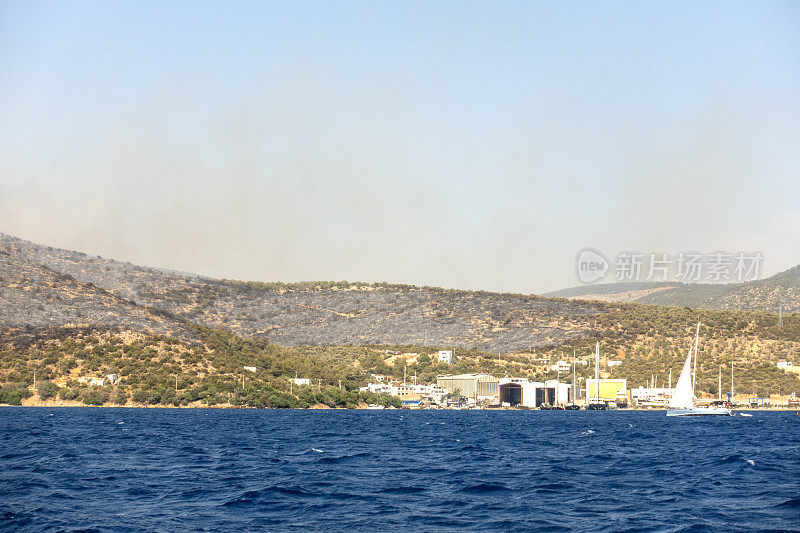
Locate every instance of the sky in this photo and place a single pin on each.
(474, 145)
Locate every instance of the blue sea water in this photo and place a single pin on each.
(242, 470)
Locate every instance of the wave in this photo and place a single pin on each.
(403, 490)
(793, 503)
(482, 488)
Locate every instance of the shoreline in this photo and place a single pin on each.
(131, 405)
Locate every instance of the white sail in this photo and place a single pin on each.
(682, 395)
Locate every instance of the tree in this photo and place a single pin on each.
(10, 397)
(140, 396)
(67, 393)
(47, 390)
(121, 397)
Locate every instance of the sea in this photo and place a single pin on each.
(118, 469)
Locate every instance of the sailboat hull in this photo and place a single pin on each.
(700, 411)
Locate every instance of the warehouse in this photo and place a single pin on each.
(610, 390)
(511, 394)
(478, 386)
(551, 392)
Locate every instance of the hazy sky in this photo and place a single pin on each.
(462, 144)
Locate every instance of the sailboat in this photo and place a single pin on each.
(682, 402)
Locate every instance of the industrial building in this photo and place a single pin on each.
(478, 386)
(511, 394)
(610, 390)
(526, 393)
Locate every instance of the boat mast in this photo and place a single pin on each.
(597, 372)
(694, 373)
(573, 375)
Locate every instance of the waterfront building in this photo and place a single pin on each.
(503, 381)
(561, 391)
(510, 393)
(610, 390)
(651, 396)
(478, 386)
(429, 393)
(377, 388)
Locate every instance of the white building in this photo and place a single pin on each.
(251, 369)
(551, 392)
(446, 356)
(433, 392)
(562, 366)
(651, 396)
(519, 381)
(301, 381)
(377, 388)
(562, 390)
(612, 364)
(92, 382)
(785, 365)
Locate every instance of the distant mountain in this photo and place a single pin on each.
(781, 290)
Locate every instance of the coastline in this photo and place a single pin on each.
(32, 402)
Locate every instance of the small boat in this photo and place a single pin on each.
(683, 401)
(745, 414)
(573, 407)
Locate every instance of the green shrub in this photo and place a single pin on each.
(47, 390)
(95, 397)
(140, 396)
(66, 393)
(10, 396)
(19, 388)
(121, 398)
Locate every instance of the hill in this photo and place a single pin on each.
(184, 339)
(781, 290)
(32, 295)
(320, 313)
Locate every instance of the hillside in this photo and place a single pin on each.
(780, 290)
(32, 295)
(321, 313)
(183, 339)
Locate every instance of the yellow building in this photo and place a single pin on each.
(610, 389)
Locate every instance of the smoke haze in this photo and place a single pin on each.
(412, 151)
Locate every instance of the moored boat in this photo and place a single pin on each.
(683, 401)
